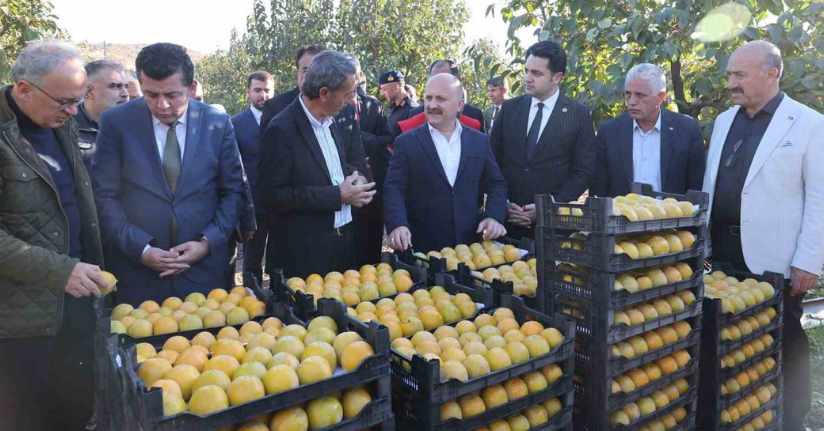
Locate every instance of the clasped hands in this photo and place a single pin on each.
(520, 216)
(178, 259)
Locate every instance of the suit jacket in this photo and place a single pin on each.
(273, 106)
(350, 132)
(375, 135)
(417, 193)
(297, 193)
(683, 160)
(782, 203)
(488, 120)
(248, 143)
(468, 110)
(136, 204)
(564, 161)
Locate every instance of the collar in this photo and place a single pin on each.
(81, 110)
(772, 105)
(657, 126)
(182, 120)
(548, 103)
(256, 112)
(312, 120)
(457, 132)
(23, 121)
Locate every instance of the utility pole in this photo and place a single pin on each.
(104, 49)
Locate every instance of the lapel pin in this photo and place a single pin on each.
(672, 128)
(564, 110)
(790, 118)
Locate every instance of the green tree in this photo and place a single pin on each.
(22, 21)
(481, 61)
(605, 38)
(384, 34)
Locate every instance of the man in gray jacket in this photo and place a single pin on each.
(50, 248)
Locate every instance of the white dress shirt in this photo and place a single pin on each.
(646, 155)
(549, 105)
(161, 130)
(493, 113)
(257, 113)
(448, 151)
(333, 163)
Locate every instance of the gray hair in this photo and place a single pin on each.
(94, 68)
(329, 69)
(772, 55)
(40, 57)
(353, 59)
(650, 73)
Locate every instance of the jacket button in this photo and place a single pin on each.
(526, 170)
(94, 224)
(55, 234)
(87, 183)
(24, 175)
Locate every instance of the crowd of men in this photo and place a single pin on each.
(100, 168)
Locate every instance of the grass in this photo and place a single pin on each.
(815, 420)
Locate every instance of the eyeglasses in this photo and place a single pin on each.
(731, 159)
(63, 104)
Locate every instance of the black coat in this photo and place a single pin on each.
(564, 161)
(468, 110)
(683, 159)
(297, 193)
(374, 135)
(273, 106)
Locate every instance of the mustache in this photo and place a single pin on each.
(737, 90)
(434, 111)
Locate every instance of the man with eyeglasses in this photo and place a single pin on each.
(50, 249)
(766, 190)
(648, 144)
(107, 87)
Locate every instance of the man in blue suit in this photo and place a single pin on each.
(169, 184)
(260, 87)
(436, 174)
(649, 144)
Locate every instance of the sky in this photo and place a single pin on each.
(118, 21)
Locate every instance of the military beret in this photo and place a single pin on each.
(391, 76)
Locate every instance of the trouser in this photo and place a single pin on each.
(48, 382)
(254, 251)
(518, 232)
(344, 246)
(230, 274)
(369, 221)
(726, 247)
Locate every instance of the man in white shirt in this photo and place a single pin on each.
(648, 144)
(497, 89)
(310, 176)
(260, 87)
(168, 183)
(436, 174)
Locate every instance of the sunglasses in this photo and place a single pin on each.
(731, 159)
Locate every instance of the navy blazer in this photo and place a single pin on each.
(417, 193)
(248, 143)
(136, 204)
(297, 193)
(683, 159)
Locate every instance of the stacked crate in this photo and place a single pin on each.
(741, 363)
(421, 396)
(637, 344)
(143, 408)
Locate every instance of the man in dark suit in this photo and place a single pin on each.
(544, 141)
(449, 67)
(169, 183)
(273, 106)
(497, 89)
(259, 88)
(376, 138)
(648, 144)
(436, 174)
(391, 88)
(309, 181)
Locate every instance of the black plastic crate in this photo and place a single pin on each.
(715, 346)
(596, 356)
(596, 213)
(597, 389)
(435, 266)
(597, 251)
(499, 287)
(596, 321)
(428, 391)
(713, 317)
(709, 417)
(712, 373)
(305, 304)
(149, 403)
(586, 419)
(598, 286)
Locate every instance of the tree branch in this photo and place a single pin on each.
(678, 82)
(621, 8)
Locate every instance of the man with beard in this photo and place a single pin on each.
(107, 82)
(260, 86)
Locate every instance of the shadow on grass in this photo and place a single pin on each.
(815, 420)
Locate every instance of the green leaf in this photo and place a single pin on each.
(544, 35)
(625, 60)
(809, 82)
(605, 23)
(776, 33)
(820, 63)
(614, 71)
(703, 86)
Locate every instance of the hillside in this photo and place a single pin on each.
(124, 53)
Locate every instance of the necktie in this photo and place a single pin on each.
(534, 131)
(171, 167)
(492, 117)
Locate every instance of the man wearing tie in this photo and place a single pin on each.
(648, 144)
(169, 183)
(309, 175)
(497, 89)
(260, 86)
(544, 141)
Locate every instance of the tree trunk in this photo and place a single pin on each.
(678, 88)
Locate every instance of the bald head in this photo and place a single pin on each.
(447, 80)
(753, 71)
(443, 100)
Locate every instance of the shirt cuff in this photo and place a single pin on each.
(145, 249)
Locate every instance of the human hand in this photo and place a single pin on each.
(491, 229)
(84, 280)
(400, 238)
